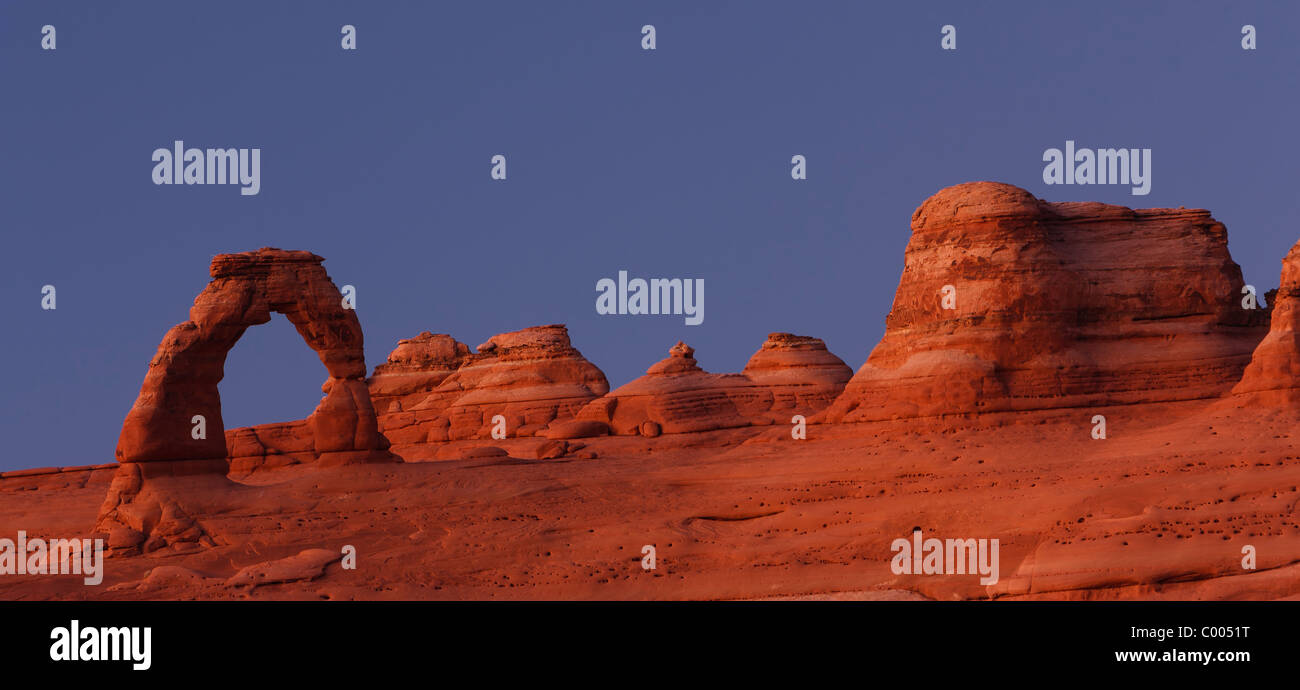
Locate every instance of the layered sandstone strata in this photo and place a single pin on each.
(270, 445)
(789, 375)
(1007, 302)
(674, 396)
(414, 369)
(530, 377)
(798, 374)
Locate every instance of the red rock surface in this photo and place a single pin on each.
(789, 375)
(1191, 473)
(432, 389)
(1057, 305)
(800, 375)
(676, 394)
(1273, 376)
(142, 510)
(1159, 510)
(414, 370)
(182, 378)
(575, 428)
(270, 445)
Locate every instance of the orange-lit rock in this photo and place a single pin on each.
(181, 383)
(1274, 373)
(789, 375)
(413, 370)
(444, 392)
(179, 395)
(703, 466)
(798, 374)
(1054, 305)
(676, 394)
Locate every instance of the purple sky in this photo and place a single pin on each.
(670, 163)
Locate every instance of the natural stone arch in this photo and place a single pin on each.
(167, 477)
(183, 376)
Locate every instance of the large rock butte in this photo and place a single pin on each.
(433, 389)
(1056, 305)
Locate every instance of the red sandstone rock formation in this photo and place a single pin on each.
(575, 428)
(1056, 305)
(1273, 376)
(1162, 510)
(789, 375)
(413, 370)
(676, 394)
(433, 389)
(181, 386)
(799, 375)
(270, 445)
(182, 379)
(152, 505)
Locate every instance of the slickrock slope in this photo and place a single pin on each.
(1160, 510)
(531, 377)
(1273, 376)
(1054, 305)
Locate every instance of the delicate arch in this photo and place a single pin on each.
(183, 376)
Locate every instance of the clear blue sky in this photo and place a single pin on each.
(671, 163)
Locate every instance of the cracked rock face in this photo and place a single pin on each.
(1007, 302)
